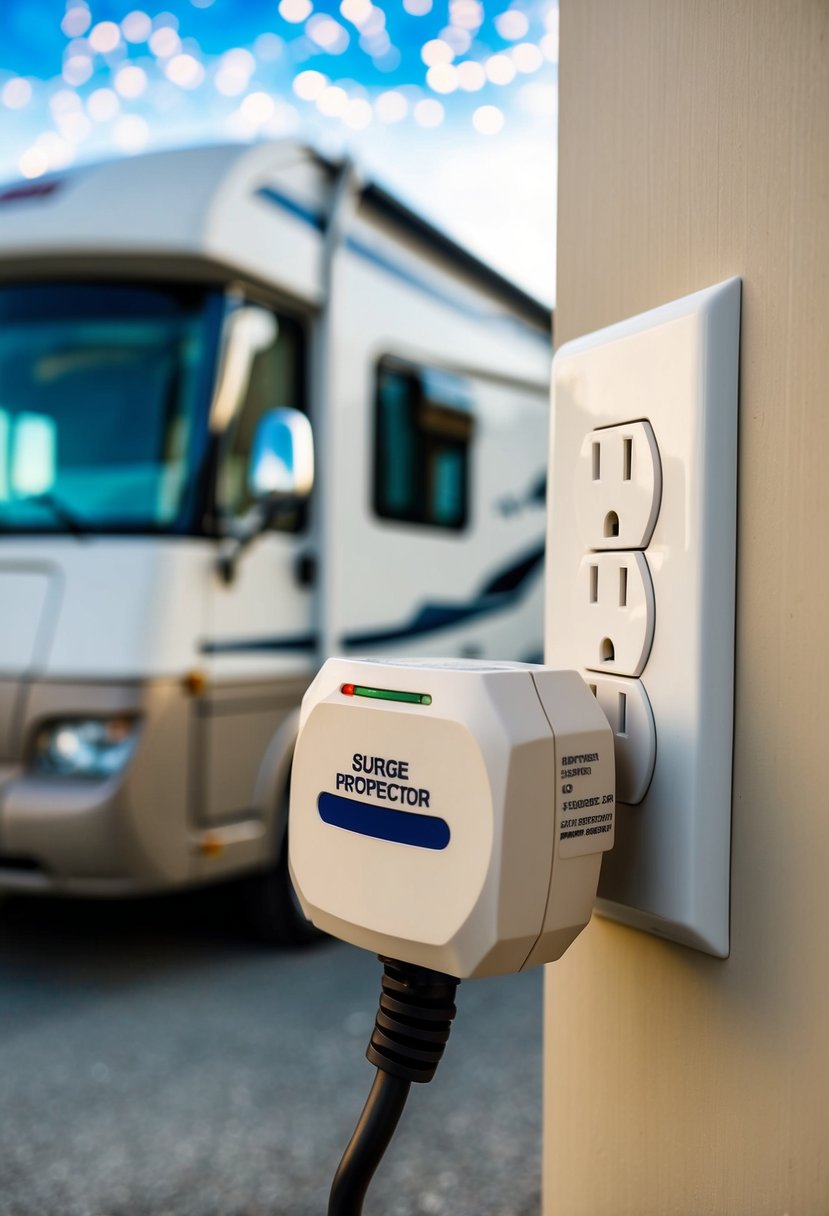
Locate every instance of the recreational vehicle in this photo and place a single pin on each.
(253, 411)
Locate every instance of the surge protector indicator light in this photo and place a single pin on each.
(386, 694)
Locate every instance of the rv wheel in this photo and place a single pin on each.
(272, 909)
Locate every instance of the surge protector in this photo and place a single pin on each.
(641, 556)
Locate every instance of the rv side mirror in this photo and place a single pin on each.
(280, 476)
(281, 466)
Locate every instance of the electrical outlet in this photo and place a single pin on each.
(627, 708)
(614, 613)
(676, 369)
(618, 487)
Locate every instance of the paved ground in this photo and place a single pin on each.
(152, 1064)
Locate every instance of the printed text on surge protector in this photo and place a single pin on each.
(574, 824)
(382, 777)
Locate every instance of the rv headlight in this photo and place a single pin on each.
(89, 747)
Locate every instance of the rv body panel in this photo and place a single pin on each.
(470, 589)
(28, 591)
(235, 723)
(123, 607)
(267, 219)
(260, 625)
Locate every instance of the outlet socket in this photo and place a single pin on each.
(614, 613)
(618, 487)
(677, 367)
(627, 708)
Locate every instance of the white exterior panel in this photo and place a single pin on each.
(128, 607)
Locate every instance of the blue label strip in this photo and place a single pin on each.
(402, 827)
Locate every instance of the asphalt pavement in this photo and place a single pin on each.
(153, 1062)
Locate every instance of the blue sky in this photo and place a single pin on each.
(450, 103)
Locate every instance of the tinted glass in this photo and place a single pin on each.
(102, 399)
(423, 432)
(277, 378)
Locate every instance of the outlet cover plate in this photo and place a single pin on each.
(676, 367)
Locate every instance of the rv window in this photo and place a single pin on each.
(423, 431)
(277, 379)
(103, 391)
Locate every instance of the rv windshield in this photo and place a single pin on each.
(103, 401)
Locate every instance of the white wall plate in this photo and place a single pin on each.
(676, 368)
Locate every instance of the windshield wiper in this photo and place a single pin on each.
(61, 512)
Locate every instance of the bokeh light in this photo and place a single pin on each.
(76, 20)
(310, 84)
(185, 71)
(391, 106)
(137, 26)
(512, 24)
(527, 57)
(102, 105)
(500, 69)
(489, 120)
(332, 101)
(436, 51)
(104, 37)
(130, 81)
(408, 88)
(328, 34)
(357, 12)
(471, 76)
(16, 93)
(164, 42)
(443, 78)
(295, 11)
(429, 113)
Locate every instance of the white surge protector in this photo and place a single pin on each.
(451, 814)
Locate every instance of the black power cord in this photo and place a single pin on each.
(410, 1032)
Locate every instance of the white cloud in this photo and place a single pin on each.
(495, 196)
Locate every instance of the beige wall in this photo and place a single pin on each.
(694, 144)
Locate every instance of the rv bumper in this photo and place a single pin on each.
(123, 834)
(67, 836)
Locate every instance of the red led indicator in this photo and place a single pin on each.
(347, 690)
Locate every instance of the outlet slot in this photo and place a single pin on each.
(618, 487)
(627, 707)
(613, 612)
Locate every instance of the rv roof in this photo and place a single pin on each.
(167, 202)
(382, 201)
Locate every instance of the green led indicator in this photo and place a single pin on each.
(386, 694)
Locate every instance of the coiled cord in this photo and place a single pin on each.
(411, 1029)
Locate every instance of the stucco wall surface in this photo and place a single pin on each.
(694, 145)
